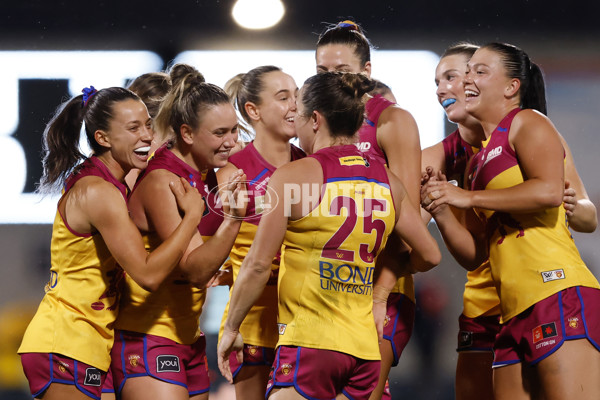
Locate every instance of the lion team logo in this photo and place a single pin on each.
(386, 321)
(286, 369)
(134, 360)
(62, 366)
(574, 322)
(252, 349)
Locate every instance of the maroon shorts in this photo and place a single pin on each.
(323, 374)
(108, 386)
(43, 369)
(253, 356)
(399, 323)
(477, 334)
(137, 354)
(540, 330)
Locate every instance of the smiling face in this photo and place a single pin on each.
(277, 108)
(340, 58)
(450, 92)
(129, 134)
(215, 137)
(486, 84)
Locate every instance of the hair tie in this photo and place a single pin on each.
(351, 25)
(88, 93)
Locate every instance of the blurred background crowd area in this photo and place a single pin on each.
(561, 37)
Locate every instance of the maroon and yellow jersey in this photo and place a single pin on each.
(329, 255)
(367, 143)
(77, 313)
(260, 325)
(173, 310)
(457, 153)
(532, 255)
(480, 296)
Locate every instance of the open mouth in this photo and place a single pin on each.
(471, 93)
(142, 151)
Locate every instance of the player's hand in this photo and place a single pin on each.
(569, 199)
(234, 196)
(188, 198)
(230, 341)
(223, 277)
(379, 313)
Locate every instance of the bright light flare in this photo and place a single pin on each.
(257, 14)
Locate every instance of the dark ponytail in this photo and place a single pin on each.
(535, 94)
(61, 136)
(518, 65)
(348, 33)
(339, 98)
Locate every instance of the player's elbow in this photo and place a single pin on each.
(425, 261)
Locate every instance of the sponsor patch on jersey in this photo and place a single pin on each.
(352, 160)
(167, 363)
(93, 377)
(493, 153)
(544, 331)
(465, 339)
(363, 146)
(554, 275)
(281, 328)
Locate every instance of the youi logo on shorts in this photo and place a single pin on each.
(93, 377)
(167, 363)
(554, 275)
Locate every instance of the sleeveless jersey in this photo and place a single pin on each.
(329, 255)
(480, 296)
(532, 255)
(260, 325)
(367, 143)
(77, 313)
(173, 310)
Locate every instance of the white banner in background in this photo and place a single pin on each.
(409, 74)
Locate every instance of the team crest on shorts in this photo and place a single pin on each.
(134, 360)
(574, 322)
(286, 369)
(281, 328)
(92, 377)
(252, 349)
(386, 320)
(465, 339)
(62, 366)
(544, 331)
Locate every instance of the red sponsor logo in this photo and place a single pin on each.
(544, 331)
(98, 305)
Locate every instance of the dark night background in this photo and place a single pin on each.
(564, 37)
